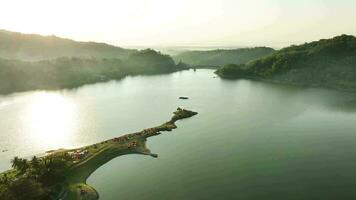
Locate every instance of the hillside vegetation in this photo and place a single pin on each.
(30, 62)
(326, 63)
(68, 72)
(32, 47)
(223, 56)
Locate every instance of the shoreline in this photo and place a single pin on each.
(302, 85)
(76, 86)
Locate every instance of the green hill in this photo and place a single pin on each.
(66, 72)
(33, 47)
(325, 63)
(223, 56)
(30, 62)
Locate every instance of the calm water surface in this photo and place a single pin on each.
(251, 140)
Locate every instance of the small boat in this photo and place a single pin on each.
(183, 98)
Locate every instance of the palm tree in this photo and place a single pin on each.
(24, 165)
(35, 162)
(15, 162)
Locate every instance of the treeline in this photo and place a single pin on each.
(68, 72)
(35, 179)
(327, 63)
(223, 56)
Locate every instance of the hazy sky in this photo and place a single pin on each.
(182, 22)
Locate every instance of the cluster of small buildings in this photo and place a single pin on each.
(122, 138)
(148, 132)
(78, 155)
(132, 144)
(145, 132)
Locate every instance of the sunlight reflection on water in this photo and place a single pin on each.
(49, 120)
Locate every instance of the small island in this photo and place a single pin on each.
(62, 174)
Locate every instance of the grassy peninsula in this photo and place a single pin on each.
(218, 57)
(327, 63)
(62, 174)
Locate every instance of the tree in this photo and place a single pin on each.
(27, 189)
(20, 164)
(15, 162)
(35, 163)
(4, 179)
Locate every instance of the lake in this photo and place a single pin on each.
(251, 140)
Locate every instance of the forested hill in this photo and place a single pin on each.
(33, 47)
(30, 62)
(326, 63)
(68, 72)
(223, 56)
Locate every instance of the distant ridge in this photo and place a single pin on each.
(220, 57)
(32, 47)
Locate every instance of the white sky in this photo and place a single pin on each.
(182, 22)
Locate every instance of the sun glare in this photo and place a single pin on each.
(50, 120)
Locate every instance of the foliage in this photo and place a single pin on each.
(328, 63)
(68, 72)
(36, 179)
(29, 61)
(150, 61)
(23, 189)
(223, 56)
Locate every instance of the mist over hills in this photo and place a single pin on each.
(32, 47)
(31, 62)
(223, 56)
